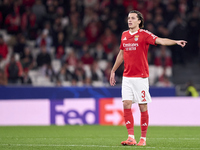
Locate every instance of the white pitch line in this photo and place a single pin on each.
(176, 138)
(43, 145)
(91, 138)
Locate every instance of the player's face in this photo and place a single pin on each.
(133, 21)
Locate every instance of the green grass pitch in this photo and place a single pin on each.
(95, 137)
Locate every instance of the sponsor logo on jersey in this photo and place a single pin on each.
(130, 44)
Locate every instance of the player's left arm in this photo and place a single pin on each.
(169, 42)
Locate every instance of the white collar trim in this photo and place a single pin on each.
(133, 32)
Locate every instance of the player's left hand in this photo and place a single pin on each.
(112, 78)
(182, 43)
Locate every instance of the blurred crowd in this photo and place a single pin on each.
(75, 42)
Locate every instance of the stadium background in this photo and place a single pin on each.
(62, 51)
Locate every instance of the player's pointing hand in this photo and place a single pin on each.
(182, 43)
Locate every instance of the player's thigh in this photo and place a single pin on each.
(141, 90)
(127, 91)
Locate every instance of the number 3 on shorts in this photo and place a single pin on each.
(143, 96)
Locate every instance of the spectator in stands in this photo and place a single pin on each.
(44, 40)
(108, 40)
(28, 3)
(27, 59)
(43, 58)
(1, 20)
(51, 13)
(79, 76)
(12, 22)
(88, 81)
(6, 8)
(60, 46)
(105, 3)
(60, 53)
(48, 27)
(28, 24)
(14, 71)
(72, 59)
(91, 3)
(50, 73)
(164, 81)
(80, 40)
(97, 73)
(179, 31)
(119, 7)
(3, 48)
(26, 80)
(57, 27)
(40, 11)
(61, 13)
(82, 50)
(163, 57)
(193, 34)
(92, 32)
(163, 61)
(73, 29)
(170, 13)
(89, 16)
(3, 62)
(105, 15)
(3, 78)
(115, 28)
(64, 74)
(191, 90)
(87, 59)
(20, 45)
(99, 52)
(58, 83)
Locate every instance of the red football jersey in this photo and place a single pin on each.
(135, 46)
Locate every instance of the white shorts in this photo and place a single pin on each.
(136, 89)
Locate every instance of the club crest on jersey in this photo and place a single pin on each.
(136, 37)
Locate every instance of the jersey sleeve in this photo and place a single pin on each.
(151, 38)
(121, 44)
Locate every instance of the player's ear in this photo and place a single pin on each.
(139, 21)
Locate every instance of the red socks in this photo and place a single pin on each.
(128, 117)
(129, 121)
(144, 123)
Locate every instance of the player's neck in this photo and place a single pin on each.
(132, 30)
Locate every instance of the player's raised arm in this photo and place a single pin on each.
(118, 62)
(169, 42)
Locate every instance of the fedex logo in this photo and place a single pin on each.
(111, 111)
(74, 111)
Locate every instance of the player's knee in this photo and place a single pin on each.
(143, 107)
(127, 104)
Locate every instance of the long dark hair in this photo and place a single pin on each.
(139, 16)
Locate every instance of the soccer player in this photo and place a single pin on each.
(135, 87)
